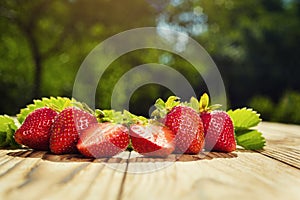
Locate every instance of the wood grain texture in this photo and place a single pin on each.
(248, 176)
(281, 135)
(44, 178)
(283, 142)
(273, 173)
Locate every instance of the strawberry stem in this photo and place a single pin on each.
(204, 104)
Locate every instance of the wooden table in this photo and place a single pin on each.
(273, 173)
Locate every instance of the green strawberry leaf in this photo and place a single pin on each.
(130, 118)
(171, 102)
(204, 102)
(194, 103)
(160, 104)
(250, 139)
(58, 103)
(109, 116)
(7, 131)
(162, 108)
(244, 118)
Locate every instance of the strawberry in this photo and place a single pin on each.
(66, 129)
(218, 127)
(188, 128)
(35, 131)
(219, 131)
(103, 140)
(152, 140)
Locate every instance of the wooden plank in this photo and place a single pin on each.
(250, 175)
(281, 134)
(41, 178)
(286, 155)
(283, 142)
(244, 174)
(272, 173)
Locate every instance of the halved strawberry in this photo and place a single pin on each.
(66, 129)
(152, 140)
(187, 125)
(103, 140)
(35, 131)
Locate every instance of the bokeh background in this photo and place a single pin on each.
(254, 43)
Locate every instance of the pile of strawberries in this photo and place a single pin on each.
(180, 129)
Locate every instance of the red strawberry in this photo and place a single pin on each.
(35, 131)
(188, 128)
(152, 140)
(219, 131)
(103, 140)
(218, 127)
(66, 129)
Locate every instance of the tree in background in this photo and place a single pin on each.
(256, 48)
(254, 44)
(44, 42)
(259, 47)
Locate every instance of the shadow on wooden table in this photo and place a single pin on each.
(126, 157)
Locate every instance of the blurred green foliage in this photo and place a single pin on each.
(265, 105)
(286, 110)
(254, 44)
(43, 43)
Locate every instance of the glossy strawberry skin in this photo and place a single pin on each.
(103, 140)
(35, 131)
(187, 125)
(152, 140)
(66, 129)
(219, 131)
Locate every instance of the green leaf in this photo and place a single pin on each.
(7, 131)
(171, 102)
(204, 102)
(58, 103)
(250, 139)
(130, 118)
(162, 108)
(244, 118)
(109, 116)
(160, 104)
(194, 103)
(4, 120)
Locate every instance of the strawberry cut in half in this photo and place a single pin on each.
(35, 130)
(152, 140)
(66, 129)
(187, 125)
(219, 131)
(103, 140)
